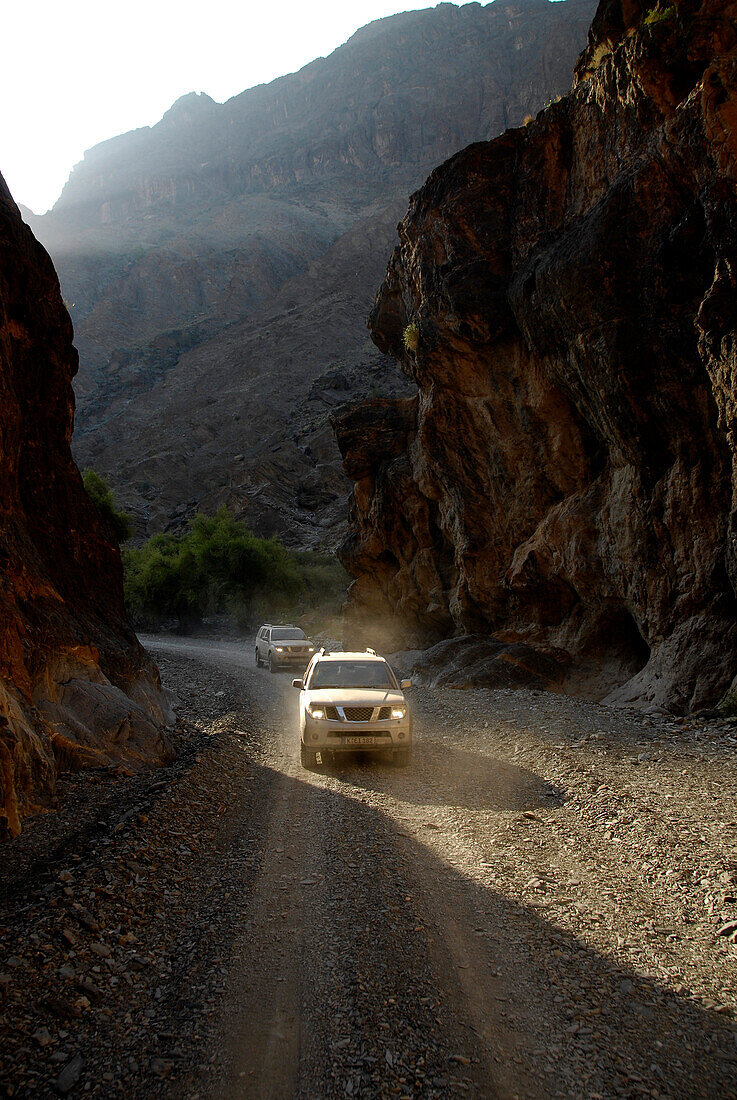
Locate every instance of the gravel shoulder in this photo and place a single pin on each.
(540, 906)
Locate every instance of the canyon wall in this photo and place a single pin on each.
(564, 299)
(76, 688)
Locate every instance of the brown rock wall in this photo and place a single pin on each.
(73, 678)
(573, 287)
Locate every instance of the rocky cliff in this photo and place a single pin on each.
(564, 299)
(203, 256)
(76, 688)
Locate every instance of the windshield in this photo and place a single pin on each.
(287, 634)
(348, 674)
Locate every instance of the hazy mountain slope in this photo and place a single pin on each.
(169, 238)
(244, 415)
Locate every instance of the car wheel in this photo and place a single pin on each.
(272, 666)
(402, 757)
(307, 756)
(258, 660)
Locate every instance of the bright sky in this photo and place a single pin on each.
(76, 73)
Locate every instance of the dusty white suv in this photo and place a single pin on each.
(282, 647)
(350, 702)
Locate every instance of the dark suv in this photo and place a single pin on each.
(282, 647)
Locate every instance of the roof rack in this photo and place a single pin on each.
(324, 652)
(370, 650)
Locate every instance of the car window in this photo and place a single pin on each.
(288, 634)
(347, 674)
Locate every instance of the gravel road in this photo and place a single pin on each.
(540, 906)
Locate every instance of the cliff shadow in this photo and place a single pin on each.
(538, 1009)
(544, 1012)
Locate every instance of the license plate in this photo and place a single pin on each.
(360, 740)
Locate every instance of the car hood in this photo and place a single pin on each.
(361, 697)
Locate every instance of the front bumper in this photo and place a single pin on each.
(291, 660)
(338, 736)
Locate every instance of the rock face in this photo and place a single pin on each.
(565, 475)
(75, 686)
(221, 262)
(477, 661)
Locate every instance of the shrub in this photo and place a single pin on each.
(411, 337)
(101, 496)
(219, 565)
(658, 14)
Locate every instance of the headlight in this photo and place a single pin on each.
(310, 649)
(279, 649)
(316, 710)
(399, 712)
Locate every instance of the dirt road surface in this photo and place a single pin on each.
(540, 906)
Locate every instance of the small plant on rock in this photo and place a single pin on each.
(658, 14)
(411, 336)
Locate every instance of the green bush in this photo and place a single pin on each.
(658, 14)
(218, 565)
(411, 337)
(101, 495)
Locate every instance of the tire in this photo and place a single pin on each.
(402, 757)
(258, 659)
(307, 757)
(272, 666)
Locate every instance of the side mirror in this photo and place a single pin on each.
(297, 684)
(405, 684)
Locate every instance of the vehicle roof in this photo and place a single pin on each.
(351, 657)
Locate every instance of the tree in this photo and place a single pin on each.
(102, 497)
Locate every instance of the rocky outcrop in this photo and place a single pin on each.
(210, 263)
(568, 477)
(473, 660)
(75, 686)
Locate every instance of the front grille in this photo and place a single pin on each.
(358, 714)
